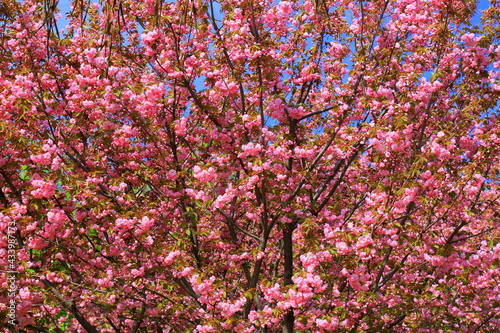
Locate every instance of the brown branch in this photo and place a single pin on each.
(71, 307)
(289, 318)
(381, 269)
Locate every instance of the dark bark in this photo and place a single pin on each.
(71, 307)
(289, 318)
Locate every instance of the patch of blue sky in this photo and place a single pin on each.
(187, 109)
(217, 10)
(199, 82)
(481, 6)
(270, 121)
(64, 7)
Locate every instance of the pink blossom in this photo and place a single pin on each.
(43, 189)
(204, 175)
(327, 324)
(145, 224)
(342, 248)
(250, 149)
(470, 38)
(204, 329)
(364, 241)
(44, 159)
(137, 272)
(169, 259)
(150, 37)
(273, 294)
(229, 309)
(125, 224)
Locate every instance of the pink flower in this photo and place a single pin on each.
(170, 257)
(180, 127)
(56, 163)
(150, 37)
(272, 294)
(105, 283)
(342, 248)
(43, 159)
(43, 189)
(276, 109)
(57, 216)
(204, 329)
(310, 282)
(137, 272)
(146, 224)
(37, 243)
(364, 241)
(229, 309)
(470, 39)
(204, 287)
(250, 149)
(309, 261)
(327, 325)
(204, 175)
(125, 224)
(171, 175)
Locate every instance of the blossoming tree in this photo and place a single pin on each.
(250, 166)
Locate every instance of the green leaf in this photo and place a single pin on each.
(92, 232)
(249, 295)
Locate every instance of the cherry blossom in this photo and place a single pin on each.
(245, 166)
